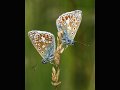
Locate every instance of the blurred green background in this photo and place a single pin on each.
(77, 62)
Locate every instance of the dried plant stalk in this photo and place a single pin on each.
(55, 69)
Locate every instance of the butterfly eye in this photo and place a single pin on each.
(44, 61)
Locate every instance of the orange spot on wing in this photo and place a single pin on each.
(66, 17)
(46, 35)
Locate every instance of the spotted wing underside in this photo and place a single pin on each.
(43, 41)
(69, 21)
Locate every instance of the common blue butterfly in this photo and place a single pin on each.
(44, 43)
(69, 23)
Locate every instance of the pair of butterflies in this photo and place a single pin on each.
(44, 42)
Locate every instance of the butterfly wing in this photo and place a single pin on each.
(69, 22)
(44, 42)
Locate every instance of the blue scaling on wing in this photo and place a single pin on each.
(69, 23)
(44, 43)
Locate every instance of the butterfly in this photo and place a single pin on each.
(69, 23)
(44, 43)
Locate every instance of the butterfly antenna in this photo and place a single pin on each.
(82, 43)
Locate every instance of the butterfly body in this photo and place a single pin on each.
(66, 40)
(69, 23)
(44, 42)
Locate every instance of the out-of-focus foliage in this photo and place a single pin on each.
(77, 62)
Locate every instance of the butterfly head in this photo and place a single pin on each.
(48, 59)
(44, 61)
(68, 41)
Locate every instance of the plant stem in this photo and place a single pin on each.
(56, 69)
